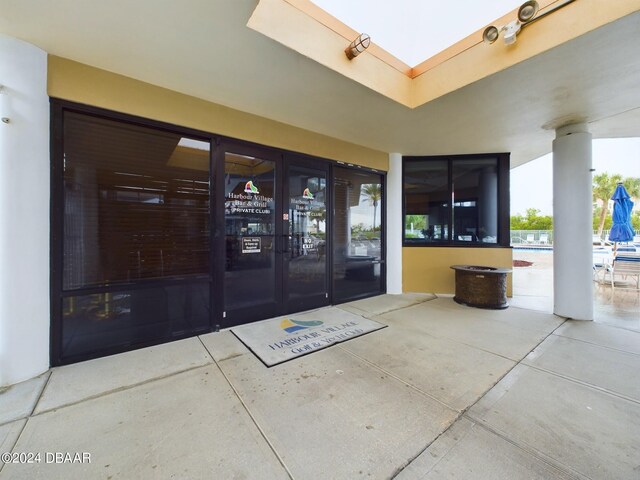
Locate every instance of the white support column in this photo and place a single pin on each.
(572, 223)
(394, 224)
(24, 213)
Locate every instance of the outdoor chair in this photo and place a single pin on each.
(530, 238)
(626, 265)
(544, 238)
(600, 271)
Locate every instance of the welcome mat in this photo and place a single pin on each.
(284, 338)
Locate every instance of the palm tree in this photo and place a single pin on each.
(604, 186)
(373, 193)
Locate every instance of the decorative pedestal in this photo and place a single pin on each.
(480, 286)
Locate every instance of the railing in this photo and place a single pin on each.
(604, 238)
(545, 237)
(531, 237)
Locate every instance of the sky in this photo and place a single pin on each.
(531, 183)
(415, 30)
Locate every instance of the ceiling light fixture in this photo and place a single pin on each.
(526, 15)
(358, 46)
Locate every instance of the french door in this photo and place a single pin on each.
(275, 234)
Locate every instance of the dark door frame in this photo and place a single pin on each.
(283, 159)
(57, 109)
(322, 298)
(226, 317)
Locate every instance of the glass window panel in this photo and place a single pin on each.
(426, 197)
(249, 278)
(357, 234)
(98, 322)
(136, 203)
(475, 200)
(454, 199)
(307, 268)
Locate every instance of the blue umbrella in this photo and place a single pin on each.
(621, 230)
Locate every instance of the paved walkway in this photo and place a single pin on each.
(533, 288)
(446, 391)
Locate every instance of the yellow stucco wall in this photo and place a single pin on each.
(82, 83)
(426, 269)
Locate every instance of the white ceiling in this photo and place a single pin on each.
(203, 48)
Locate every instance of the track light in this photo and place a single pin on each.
(358, 46)
(526, 13)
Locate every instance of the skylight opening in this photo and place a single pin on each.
(416, 30)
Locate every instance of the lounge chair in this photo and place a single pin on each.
(530, 237)
(544, 238)
(626, 265)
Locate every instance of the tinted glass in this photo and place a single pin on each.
(135, 212)
(249, 278)
(357, 234)
(136, 203)
(426, 201)
(119, 319)
(475, 200)
(307, 253)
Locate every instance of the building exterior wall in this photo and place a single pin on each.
(81, 83)
(24, 213)
(394, 198)
(25, 194)
(426, 269)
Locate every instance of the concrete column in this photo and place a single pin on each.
(572, 223)
(394, 224)
(24, 213)
(487, 209)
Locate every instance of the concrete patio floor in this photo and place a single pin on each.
(446, 391)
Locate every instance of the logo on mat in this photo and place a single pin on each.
(250, 187)
(307, 194)
(291, 326)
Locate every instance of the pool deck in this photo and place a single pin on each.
(533, 288)
(446, 391)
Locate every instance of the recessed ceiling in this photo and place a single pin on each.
(415, 30)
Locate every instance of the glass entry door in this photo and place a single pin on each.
(252, 237)
(358, 236)
(275, 235)
(305, 254)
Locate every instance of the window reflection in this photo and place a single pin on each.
(357, 234)
(250, 231)
(426, 196)
(306, 255)
(452, 200)
(475, 205)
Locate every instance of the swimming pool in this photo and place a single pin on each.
(532, 249)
